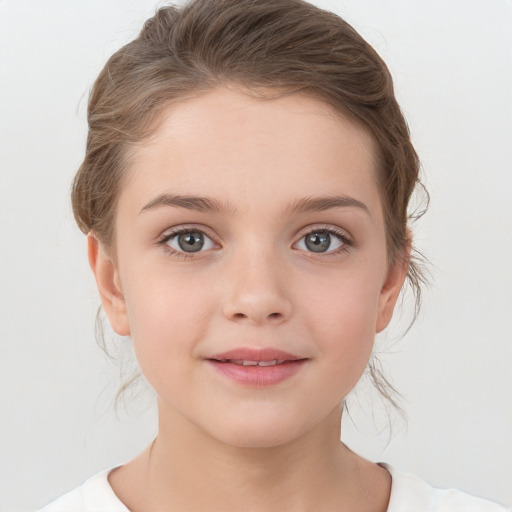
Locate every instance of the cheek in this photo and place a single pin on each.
(168, 315)
(342, 311)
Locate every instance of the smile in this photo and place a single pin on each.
(245, 362)
(257, 367)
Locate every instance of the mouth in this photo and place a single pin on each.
(257, 368)
(245, 362)
(253, 356)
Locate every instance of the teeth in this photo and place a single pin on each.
(267, 363)
(246, 362)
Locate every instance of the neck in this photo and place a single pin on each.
(185, 469)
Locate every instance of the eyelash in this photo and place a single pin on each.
(338, 233)
(170, 235)
(347, 243)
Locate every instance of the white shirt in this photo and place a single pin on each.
(408, 494)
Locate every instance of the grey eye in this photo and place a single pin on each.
(320, 241)
(190, 241)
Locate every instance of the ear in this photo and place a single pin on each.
(397, 273)
(107, 280)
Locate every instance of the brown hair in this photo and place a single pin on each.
(266, 47)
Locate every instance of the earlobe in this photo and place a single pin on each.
(109, 286)
(397, 273)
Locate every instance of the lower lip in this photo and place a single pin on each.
(258, 376)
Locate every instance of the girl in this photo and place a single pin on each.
(244, 194)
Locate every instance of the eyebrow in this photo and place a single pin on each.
(201, 204)
(208, 204)
(319, 204)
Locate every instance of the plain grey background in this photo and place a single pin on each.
(452, 64)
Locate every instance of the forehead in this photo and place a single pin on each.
(227, 142)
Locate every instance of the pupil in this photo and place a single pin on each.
(318, 241)
(191, 242)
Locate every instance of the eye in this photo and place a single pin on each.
(189, 241)
(322, 241)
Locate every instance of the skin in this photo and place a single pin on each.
(255, 285)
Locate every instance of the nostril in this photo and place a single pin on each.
(239, 315)
(274, 315)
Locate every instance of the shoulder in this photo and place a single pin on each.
(408, 492)
(95, 495)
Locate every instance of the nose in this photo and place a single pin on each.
(256, 291)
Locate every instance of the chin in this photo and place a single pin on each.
(264, 431)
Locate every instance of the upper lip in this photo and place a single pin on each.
(258, 354)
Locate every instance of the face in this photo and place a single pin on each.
(250, 267)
